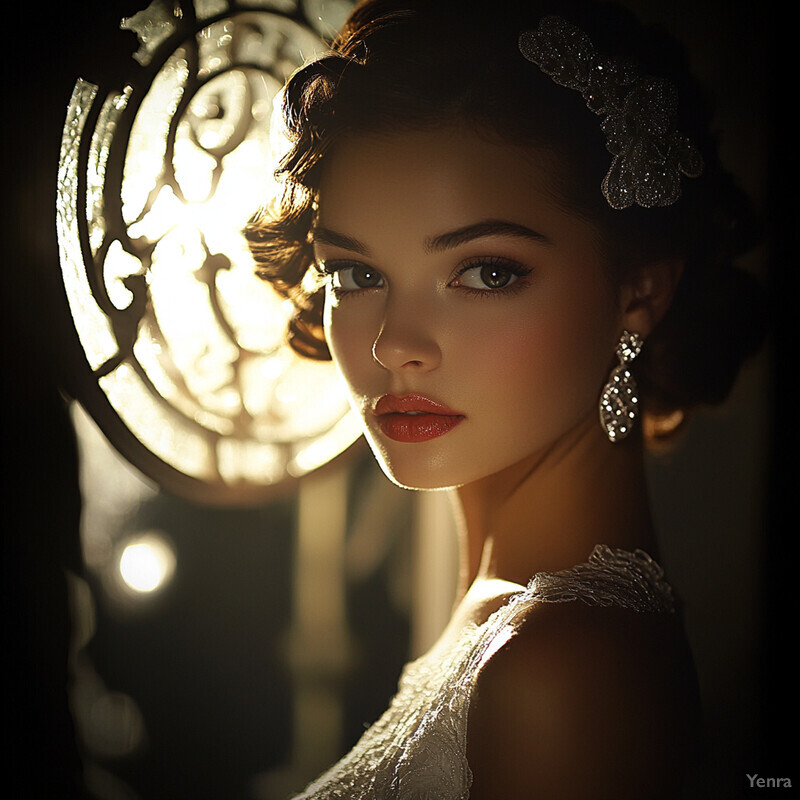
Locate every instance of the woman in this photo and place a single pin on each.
(497, 223)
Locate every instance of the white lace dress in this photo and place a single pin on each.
(418, 748)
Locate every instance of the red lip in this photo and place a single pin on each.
(414, 418)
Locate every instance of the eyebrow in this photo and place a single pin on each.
(444, 241)
(327, 236)
(478, 230)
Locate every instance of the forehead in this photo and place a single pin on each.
(439, 179)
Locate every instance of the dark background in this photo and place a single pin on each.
(47, 49)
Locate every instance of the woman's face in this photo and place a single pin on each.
(470, 315)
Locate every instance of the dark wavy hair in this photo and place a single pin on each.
(414, 63)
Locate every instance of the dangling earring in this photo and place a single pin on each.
(619, 402)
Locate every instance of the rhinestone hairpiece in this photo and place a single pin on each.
(638, 114)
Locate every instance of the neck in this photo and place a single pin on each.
(548, 512)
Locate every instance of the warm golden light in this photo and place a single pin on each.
(186, 344)
(147, 564)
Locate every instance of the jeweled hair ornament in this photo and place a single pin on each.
(638, 114)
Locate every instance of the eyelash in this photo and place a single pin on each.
(504, 264)
(328, 269)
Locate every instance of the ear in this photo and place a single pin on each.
(645, 299)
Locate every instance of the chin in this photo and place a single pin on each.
(417, 485)
(413, 473)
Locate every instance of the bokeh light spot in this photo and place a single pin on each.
(147, 564)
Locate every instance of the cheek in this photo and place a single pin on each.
(574, 341)
(350, 336)
(544, 365)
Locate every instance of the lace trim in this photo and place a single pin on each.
(417, 749)
(597, 582)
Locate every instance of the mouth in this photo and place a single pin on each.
(414, 418)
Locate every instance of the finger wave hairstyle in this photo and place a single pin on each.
(410, 64)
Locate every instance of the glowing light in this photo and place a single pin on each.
(147, 564)
(186, 343)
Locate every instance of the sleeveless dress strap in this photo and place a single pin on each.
(611, 577)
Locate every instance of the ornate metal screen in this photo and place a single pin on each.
(186, 372)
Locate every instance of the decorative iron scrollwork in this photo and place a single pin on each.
(188, 374)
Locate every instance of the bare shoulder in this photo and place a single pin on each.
(586, 703)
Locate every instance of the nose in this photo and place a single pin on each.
(406, 341)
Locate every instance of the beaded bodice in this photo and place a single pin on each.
(418, 748)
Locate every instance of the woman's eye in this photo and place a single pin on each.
(355, 277)
(487, 276)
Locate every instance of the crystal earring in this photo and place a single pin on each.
(619, 402)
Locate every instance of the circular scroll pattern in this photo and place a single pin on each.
(189, 375)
